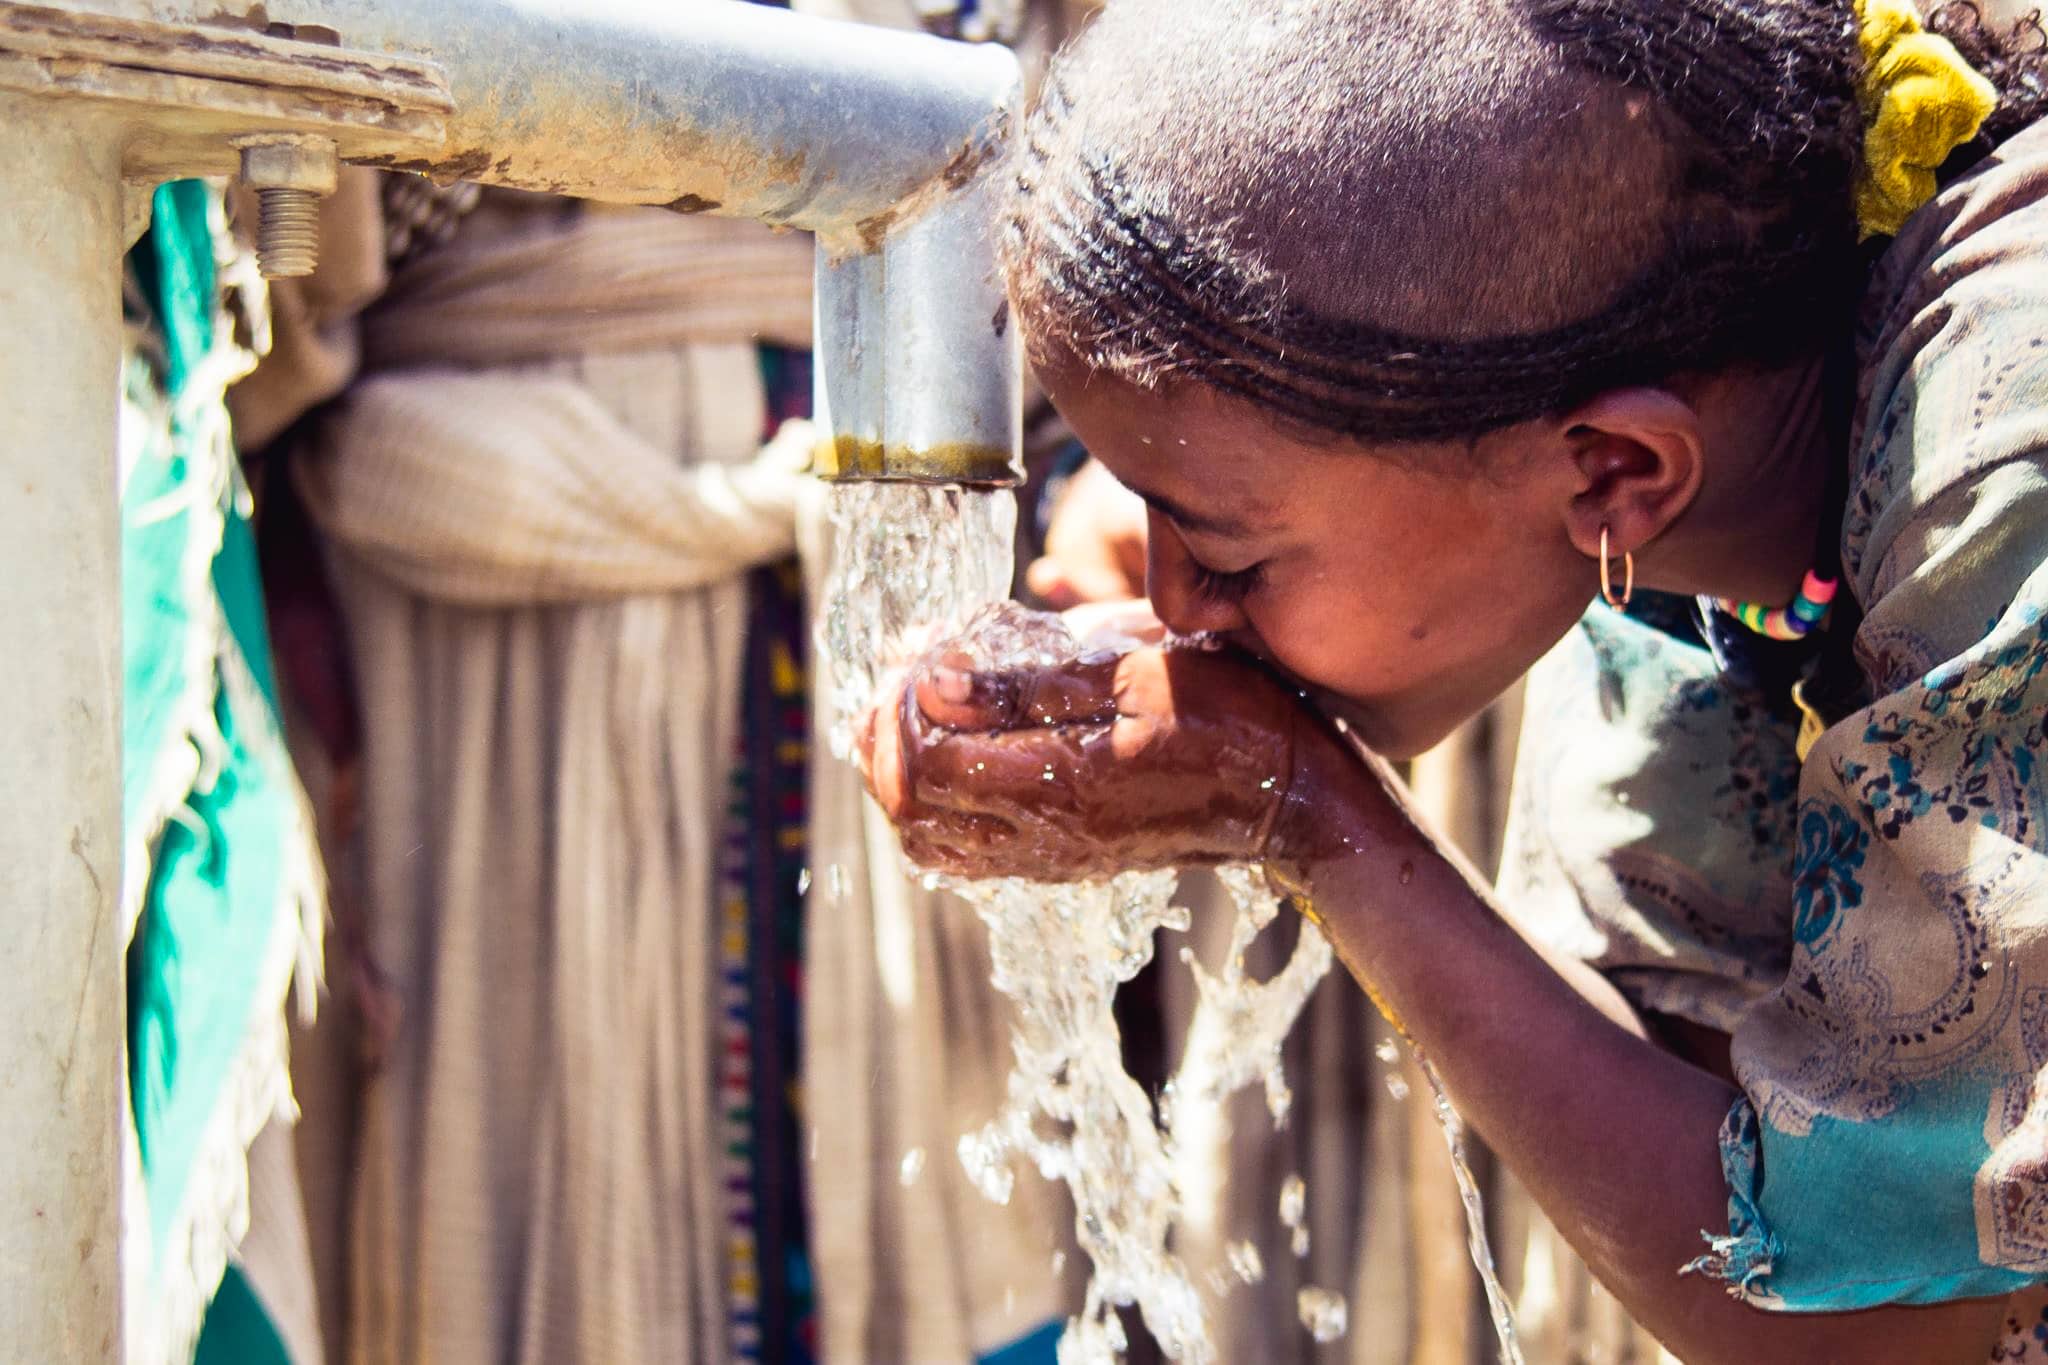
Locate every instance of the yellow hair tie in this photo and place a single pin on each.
(1920, 101)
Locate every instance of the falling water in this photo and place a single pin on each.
(1475, 1216)
(909, 559)
(913, 561)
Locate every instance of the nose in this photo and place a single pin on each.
(1172, 582)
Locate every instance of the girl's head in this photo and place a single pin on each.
(1421, 296)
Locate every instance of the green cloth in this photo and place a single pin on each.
(219, 872)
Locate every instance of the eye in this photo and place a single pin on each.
(1234, 586)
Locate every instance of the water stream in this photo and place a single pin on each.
(916, 560)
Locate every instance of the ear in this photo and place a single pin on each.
(1640, 459)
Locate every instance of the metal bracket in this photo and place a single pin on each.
(188, 93)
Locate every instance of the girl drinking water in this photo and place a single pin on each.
(1420, 328)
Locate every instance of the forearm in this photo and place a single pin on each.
(1616, 1138)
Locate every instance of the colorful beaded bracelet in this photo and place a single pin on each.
(1794, 622)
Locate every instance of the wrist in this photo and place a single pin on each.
(1324, 812)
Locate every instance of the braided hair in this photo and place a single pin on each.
(1397, 220)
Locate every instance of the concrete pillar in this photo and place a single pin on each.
(61, 994)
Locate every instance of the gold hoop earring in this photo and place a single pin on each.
(1628, 575)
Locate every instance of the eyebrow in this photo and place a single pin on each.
(1230, 528)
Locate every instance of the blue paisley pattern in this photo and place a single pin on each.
(1824, 884)
(1870, 926)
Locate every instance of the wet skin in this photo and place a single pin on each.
(1403, 594)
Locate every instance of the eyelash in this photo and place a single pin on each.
(1228, 587)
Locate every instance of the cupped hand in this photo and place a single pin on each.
(1161, 756)
(1095, 546)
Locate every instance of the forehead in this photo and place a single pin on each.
(1208, 461)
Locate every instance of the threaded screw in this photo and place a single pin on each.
(287, 233)
(290, 174)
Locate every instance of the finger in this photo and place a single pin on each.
(1021, 775)
(956, 696)
(887, 774)
(960, 831)
(968, 844)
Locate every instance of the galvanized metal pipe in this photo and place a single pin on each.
(877, 140)
(742, 110)
(917, 367)
(61, 1043)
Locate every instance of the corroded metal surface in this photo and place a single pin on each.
(735, 109)
(843, 458)
(180, 97)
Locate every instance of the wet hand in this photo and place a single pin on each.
(1156, 757)
(1095, 546)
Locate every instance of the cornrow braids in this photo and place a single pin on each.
(1709, 148)
(1158, 302)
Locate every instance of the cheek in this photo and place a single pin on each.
(1329, 630)
(1384, 632)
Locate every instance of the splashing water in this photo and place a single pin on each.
(909, 559)
(1293, 1208)
(1322, 1312)
(916, 559)
(1475, 1217)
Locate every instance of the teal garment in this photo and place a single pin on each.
(219, 874)
(1869, 925)
(238, 1331)
(1041, 1347)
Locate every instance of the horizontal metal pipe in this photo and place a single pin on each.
(741, 110)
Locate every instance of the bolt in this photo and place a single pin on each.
(287, 233)
(290, 175)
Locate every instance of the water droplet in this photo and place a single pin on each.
(1406, 874)
(803, 882)
(1269, 784)
(1246, 1262)
(1293, 1201)
(912, 1167)
(1322, 1312)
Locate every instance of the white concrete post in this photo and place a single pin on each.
(61, 995)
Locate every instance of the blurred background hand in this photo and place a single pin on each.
(1095, 545)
